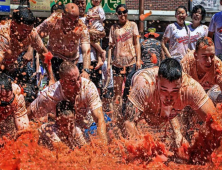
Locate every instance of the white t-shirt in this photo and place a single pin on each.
(86, 101)
(105, 75)
(92, 52)
(195, 34)
(216, 27)
(97, 24)
(178, 40)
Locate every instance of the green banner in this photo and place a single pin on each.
(109, 6)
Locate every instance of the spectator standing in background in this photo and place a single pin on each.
(215, 29)
(151, 49)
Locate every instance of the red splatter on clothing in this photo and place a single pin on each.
(153, 58)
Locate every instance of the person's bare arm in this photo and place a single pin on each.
(179, 139)
(132, 113)
(20, 115)
(138, 51)
(37, 62)
(96, 17)
(107, 82)
(109, 61)
(162, 55)
(46, 66)
(86, 59)
(22, 122)
(1, 57)
(99, 119)
(163, 44)
(210, 34)
(28, 56)
(207, 108)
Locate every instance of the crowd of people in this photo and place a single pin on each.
(57, 73)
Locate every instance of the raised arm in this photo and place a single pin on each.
(138, 51)
(38, 45)
(48, 67)
(86, 59)
(164, 48)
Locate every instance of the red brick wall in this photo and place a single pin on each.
(166, 5)
(15, 1)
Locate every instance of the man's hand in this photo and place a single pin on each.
(51, 82)
(28, 56)
(180, 140)
(138, 65)
(85, 75)
(88, 17)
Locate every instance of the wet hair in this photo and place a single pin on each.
(93, 5)
(65, 68)
(64, 108)
(5, 82)
(183, 7)
(121, 5)
(170, 69)
(203, 11)
(57, 6)
(23, 15)
(204, 42)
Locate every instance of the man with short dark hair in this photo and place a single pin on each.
(16, 36)
(158, 95)
(81, 92)
(206, 68)
(12, 103)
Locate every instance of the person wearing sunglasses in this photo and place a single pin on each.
(81, 92)
(124, 41)
(12, 103)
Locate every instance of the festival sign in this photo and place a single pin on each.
(209, 5)
(4, 5)
(40, 5)
(109, 6)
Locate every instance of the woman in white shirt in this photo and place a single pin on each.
(176, 34)
(196, 29)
